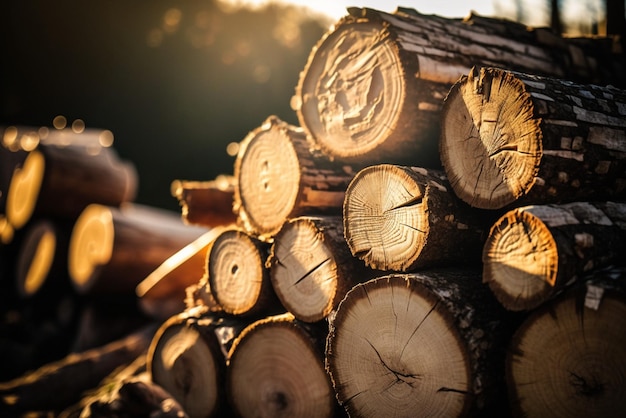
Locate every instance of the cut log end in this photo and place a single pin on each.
(24, 189)
(387, 354)
(236, 272)
(520, 260)
(491, 142)
(275, 371)
(182, 362)
(267, 186)
(304, 271)
(351, 90)
(569, 360)
(91, 245)
(385, 217)
(35, 260)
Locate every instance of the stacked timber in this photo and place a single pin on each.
(422, 292)
(440, 237)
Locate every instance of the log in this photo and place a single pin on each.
(162, 293)
(418, 345)
(207, 203)
(534, 252)
(237, 276)
(406, 218)
(373, 86)
(9, 160)
(311, 267)
(187, 359)
(112, 249)
(568, 358)
(61, 181)
(57, 385)
(199, 295)
(41, 264)
(279, 177)
(512, 139)
(276, 369)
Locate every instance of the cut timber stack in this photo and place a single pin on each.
(348, 279)
(373, 87)
(407, 272)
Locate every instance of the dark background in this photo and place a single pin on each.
(175, 81)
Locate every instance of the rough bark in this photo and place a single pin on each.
(41, 263)
(237, 276)
(405, 218)
(276, 369)
(57, 180)
(207, 203)
(311, 267)
(279, 177)
(421, 344)
(57, 385)
(568, 358)
(162, 293)
(187, 359)
(534, 252)
(373, 86)
(113, 249)
(512, 139)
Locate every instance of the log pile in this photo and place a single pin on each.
(440, 237)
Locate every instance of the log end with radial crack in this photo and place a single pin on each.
(311, 266)
(568, 356)
(276, 369)
(415, 345)
(491, 141)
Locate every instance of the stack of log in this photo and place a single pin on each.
(74, 247)
(441, 236)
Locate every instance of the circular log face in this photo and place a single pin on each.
(394, 353)
(91, 244)
(184, 365)
(491, 143)
(36, 257)
(275, 371)
(568, 360)
(304, 271)
(352, 90)
(385, 217)
(24, 189)
(235, 269)
(268, 186)
(520, 260)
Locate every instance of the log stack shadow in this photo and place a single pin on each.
(442, 236)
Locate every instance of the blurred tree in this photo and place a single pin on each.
(175, 81)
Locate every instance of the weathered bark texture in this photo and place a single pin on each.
(419, 345)
(199, 294)
(162, 293)
(404, 218)
(533, 252)
(113, 249)
(516, 139)
(568, 358)
(276, 369)
(42, 258)
(237, 276)
(59, 384)
(311, 266)
(208, 203)
(373, 86)
(61, 181)
(279, 177)
(187, 358)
